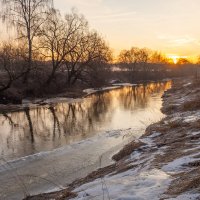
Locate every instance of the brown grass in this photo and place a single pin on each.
(192, 105)
(61, 195)
(194, 164)
(186, 182)
(127, 150)
(115, 168)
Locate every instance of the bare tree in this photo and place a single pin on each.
(183, 61)
(157, 58)
(10, 63)
(125, 57)
(89, 57)
(27, 17)
(135, 58)
(143, 56)
(61, 37)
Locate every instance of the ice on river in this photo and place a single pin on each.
(54, 169)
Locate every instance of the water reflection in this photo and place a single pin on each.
(48, 127)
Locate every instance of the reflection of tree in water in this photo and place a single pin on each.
(56, 122)
(136, 97)
(66, 122)
(7, 117)
(80, 118)
(27, 112)
(101, 104)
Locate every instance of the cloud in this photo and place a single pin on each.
(82, 2)
(115, 15)
(178, 40)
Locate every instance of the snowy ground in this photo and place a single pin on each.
(140, 182)
(93, 90)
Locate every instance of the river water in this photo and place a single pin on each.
(46, 147)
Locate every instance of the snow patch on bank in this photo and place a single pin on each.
(93, 90)
(186, 197)
(179, 164)
(139, 183)
(127, 186)
(124, 84)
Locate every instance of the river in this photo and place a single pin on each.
(46, 147)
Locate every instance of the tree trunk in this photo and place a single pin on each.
(27, 73)
(52, 75)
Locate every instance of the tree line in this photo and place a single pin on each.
(146, 64)
(47, 45)
(50, 52)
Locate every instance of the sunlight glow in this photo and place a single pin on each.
(174, 58)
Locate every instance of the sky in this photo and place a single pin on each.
(169, 26)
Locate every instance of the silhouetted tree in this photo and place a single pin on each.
(60, 37)
(27, 16)
(88, 59)
(10, 63)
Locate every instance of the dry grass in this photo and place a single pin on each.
(194, 164)
(61, 195)
(127, 150)
(185, 182)
(115, 168)
(191, 105)
(94, 175)
(174, 124)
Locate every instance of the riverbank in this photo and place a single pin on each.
(162, 164)
(69, 96)
(13, 100)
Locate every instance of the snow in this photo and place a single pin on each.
(186, 197)
(195, 133)
(190, 117)
(179, 164)
(155, 134)
(128, 185)
(185, 117)
(124, 84)
(140, 183)
(49, 100)
(93, 90)
(187, 84)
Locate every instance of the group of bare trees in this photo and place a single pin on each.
(145, 64)
(50, 44)
(10, 65)
(70, 45)
(138, 58)
(140, 62)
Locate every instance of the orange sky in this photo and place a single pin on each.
(169, 26)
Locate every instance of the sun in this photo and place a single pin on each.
(174, 58)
